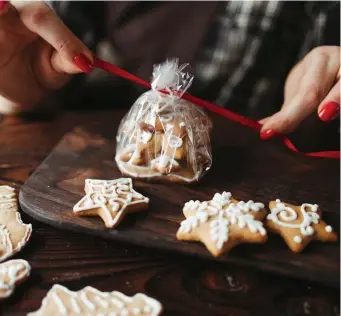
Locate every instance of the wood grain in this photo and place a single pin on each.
(244, 165)
(185, 286)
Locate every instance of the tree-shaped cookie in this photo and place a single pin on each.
(91, 302)
(14, 234)
(12, 272)
(111, 200)
(298, 225)
(222, 223)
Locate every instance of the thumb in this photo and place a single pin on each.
(71, 55)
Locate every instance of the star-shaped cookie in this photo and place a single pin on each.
(91, 302)
(111, 200)
(298, 225)
(222, 223)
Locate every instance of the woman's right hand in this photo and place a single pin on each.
(38, 54)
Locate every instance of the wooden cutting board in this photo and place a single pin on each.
(242, 164)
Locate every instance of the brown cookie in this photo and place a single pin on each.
(90, 301)
(222, 223)
(298, 225)
(14, 234)
(12, 273)
(111, 200)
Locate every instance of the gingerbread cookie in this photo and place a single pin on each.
(12, 273)
(165, 164)
(111, 200)
(14, 234)
(298, 225)
(222, 223)
(89, 301)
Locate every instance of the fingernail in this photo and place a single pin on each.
(83, 63)
(329, 111)
(3, 4)
(267, 134)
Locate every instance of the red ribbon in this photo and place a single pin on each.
(98, 63)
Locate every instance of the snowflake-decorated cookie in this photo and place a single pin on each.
(12, 273)
(222, 223)
(298, 225)
(91, 302)
(14, 234)
(111, 200)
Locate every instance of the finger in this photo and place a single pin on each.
(329, 108)
(314, 86)
(40, 19)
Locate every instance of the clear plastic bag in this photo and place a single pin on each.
(164, 137)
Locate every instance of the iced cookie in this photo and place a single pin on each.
(165, 164)
(111, 200)
(12, 273)
(91, 302)
(298, 225)
(222, 223)
(14, 234)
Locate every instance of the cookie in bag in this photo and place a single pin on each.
(164, 137)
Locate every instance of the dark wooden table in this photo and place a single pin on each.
(185, 286)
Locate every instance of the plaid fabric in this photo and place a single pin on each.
(251, 47)
(249, 50)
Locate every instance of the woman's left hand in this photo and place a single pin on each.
(313, 85)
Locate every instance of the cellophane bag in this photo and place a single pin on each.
(164, 137)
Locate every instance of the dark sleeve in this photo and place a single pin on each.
(84, 18)
(324, 23)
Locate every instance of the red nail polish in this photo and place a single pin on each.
(3, 4)
(267, 134)
(329, 111)
(83, 63)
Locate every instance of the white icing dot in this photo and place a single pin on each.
(297, 239)
(124, 312)
(147, 309)
(310, 230)
(329, 229)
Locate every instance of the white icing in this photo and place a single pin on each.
(61, 307)
(113, 196)
(166, 118)
(174, 141)
(75, 306)
(145, 137)
(85, 300)
(164, 161)
(99, 303)
(329, 229)
(117, 302)
(219, 230)
(282, 215)
(7, 202)
(12, 272)
(297, 239)
(221, 212)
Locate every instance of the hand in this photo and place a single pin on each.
(313, 85)
(38, 54)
